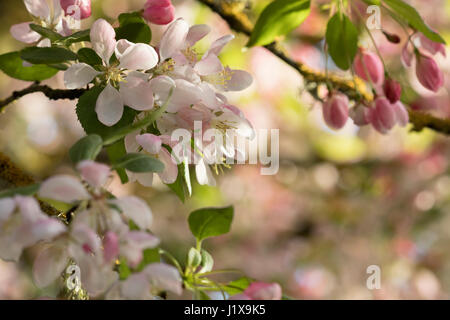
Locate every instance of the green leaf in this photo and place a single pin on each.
(89, 56)
(201, 295)
(131, 17)
(45, 32)
(178, 187)
(279, 18)
(210, 222)
(12, 65)
(342, 40)
(23, 191)
(124, 270)
(88, 117)
(47, 55)
(87, 148)
(405, 12)
(134, 32)
(139, 162)
(79, 36)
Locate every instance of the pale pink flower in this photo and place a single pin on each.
(335, 110)
(70, 7)
(260, 291)
(369, 67)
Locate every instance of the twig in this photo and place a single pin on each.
(355, 89)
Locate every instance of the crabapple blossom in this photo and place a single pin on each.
(384, 115)
(392, 89)
(46, 13)
(23, 224)
(122, 85)
(159, 11)
(429, 73)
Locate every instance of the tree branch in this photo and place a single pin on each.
(52, 94)
(355, 89)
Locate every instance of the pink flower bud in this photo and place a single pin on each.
(368, 65)
(359, 115)
(335, 111)
(110, 246)
(392, 89)
(159, 11)
(70, 8)
(431, 46)
(428, 73)
(385, 113)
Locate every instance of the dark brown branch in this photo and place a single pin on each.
(52, 94)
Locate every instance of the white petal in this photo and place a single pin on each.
(170, 173)
(196, 33)
(150, 142)
(137, 93)
(86, 238)
(165, 277)
(109, 106)
(144, 178)
(218, 45)
(44, 43)
(136, 287)
(240, 80)
(49, 265)
(121, 46)
(94, 173)
(79, 75)
(38, 8)
(139, 57)
(136, 210)
(161, 87)
(29, 208)
(23, 33)
(204, 174)
(142, 240)
(7, 206)
(173, 39)
(210, 64)
(103, 39)
(184, 95)
(47, 229)
(63, 188)
(131, 144)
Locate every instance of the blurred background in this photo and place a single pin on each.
(341, 201)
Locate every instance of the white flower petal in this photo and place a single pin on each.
(79, 75)
(170, 173)
(173, 39)
(165, 277)
(109, 106)
(144, 178)
(38, 8)
(137, 93)
(121, 46)
(7, 206)
(139, 56)
(46, 229)
(218, 45)
(63, 188)
(135, 209)
(204, 174)
(184, 95)
(150, 142)
(94, 173)
(49, 265)
(210, 64)
(240, 80)
(23, 33)
(103, 39)
(161, 87)
(196, 33)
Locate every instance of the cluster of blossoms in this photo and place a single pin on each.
(386, 110)
(174, 76)
(56, 15)
(98, 237)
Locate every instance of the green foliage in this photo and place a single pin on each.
(89, 56)
(87, 148)
(79, 36)
(47, 55)
(45, 32)
(115, 152)
(237, 286)
(12, 64)
(133, 28)
(342, 40)
(409, 14)
(279, 18)
(210, 222)
(194, 258)
(130, 17)
(207, 263)
(149, 256)
(24, 191)
(139, 162)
